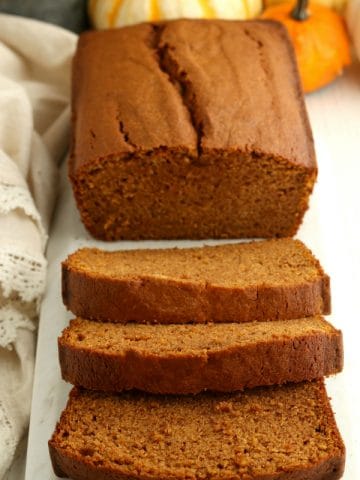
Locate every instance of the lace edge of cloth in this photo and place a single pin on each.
(10, 320)
(15, 196)
(8, 441)
(22, 273)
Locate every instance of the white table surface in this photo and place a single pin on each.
(331, 228)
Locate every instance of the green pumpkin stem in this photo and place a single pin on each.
(300, 12)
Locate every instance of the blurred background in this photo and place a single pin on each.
(70, 14)
(325, 33)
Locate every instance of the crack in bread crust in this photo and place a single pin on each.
(125, 134)
(178, 78)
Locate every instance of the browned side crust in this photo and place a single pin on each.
(77, 469)
(153, 300)
(270, 362)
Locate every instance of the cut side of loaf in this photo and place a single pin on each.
(266, 280)
(273, 433)
(190, 358)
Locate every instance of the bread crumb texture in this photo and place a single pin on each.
(260, 433)
(189, 339)
(280, 262)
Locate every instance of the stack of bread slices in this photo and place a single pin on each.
(200, 363)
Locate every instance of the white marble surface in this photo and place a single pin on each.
(331, 229)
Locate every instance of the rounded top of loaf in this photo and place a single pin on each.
(192, 87)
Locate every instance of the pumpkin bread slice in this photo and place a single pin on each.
(190, 358)
(269, 433)
(272, 279)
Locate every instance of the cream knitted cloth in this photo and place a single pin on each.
(35, 63)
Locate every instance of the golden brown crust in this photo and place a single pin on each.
(240, 57)
(275, 359)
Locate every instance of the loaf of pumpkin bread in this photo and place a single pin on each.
(190, 129)
(182, 359)
(265, 280)
(272, 433)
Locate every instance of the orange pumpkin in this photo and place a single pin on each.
(338, 5)
(320, 39)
